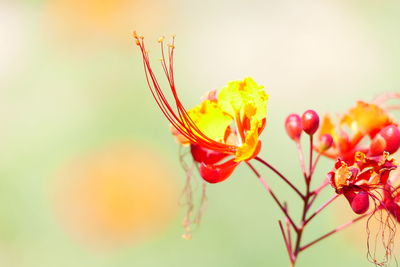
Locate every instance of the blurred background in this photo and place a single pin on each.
(89, 174)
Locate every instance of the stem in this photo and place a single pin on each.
(280, 175)
(343, 226)
(287, 244)
(306, 201)
(288, 230)
(269, 190)
(311, 157)
(323, 206)
(317, 191)
(301, 157)
(315, 163)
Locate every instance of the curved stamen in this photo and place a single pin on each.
(180, 120)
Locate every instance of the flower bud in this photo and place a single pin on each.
(360, 202)
(293, 126)
(326, 142)
(310, 121)
(388, 139)
(378, 145)
(391, 134)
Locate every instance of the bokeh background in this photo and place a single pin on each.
(89, 174)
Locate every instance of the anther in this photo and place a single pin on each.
(161, 39)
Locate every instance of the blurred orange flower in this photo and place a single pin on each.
(115, 196)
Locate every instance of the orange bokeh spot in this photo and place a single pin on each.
(120, 195)
(101, 22)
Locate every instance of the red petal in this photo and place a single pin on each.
(208, 156)
(217, 173)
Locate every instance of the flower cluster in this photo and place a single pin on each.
(224, 130)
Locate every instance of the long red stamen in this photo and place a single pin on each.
(180, 119)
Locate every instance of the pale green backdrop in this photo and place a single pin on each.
(71, 81)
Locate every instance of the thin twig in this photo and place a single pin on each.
(343, 226)
(280, 175)
(301, 158)
(323, 206)
(310, 172)
(315, 163)
(288, 230)
(317, 191)
(269, 190)
(285, 239)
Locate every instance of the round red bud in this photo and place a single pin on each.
(293, 126)
(310, 121)
(326, 142)
(391, 134)
(378, 145)
(360, 202)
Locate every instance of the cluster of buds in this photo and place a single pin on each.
(309, 123)
(362, 143)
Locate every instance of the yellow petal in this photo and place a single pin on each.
(211, 120)
(246, 98)
(342, 175)
(327, 127)
(247, 149)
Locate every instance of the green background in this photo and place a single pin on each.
(69, 87)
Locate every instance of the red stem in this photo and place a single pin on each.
(315, 163)
(269, 190)
(337, 229)
(280, 175)
(317, 191)
(310, 171)
(323, 206)
(287, 244)
(301, 157)
(308, 199)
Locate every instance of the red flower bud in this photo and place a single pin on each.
(310, 121)
(378, 145)
(391, 134)
(293, 126)
(360, 202)
(388, 139)
(326, 142)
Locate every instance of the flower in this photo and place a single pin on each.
(227, 124)
(364, 121)
(356, 181)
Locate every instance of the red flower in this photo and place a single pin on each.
(356, 181)
(225, 124)
(366, 127)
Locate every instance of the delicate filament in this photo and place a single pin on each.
(180, 120)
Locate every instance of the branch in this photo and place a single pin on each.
(343, 226)
(269, 190)
(280, 175)
(323, 206)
